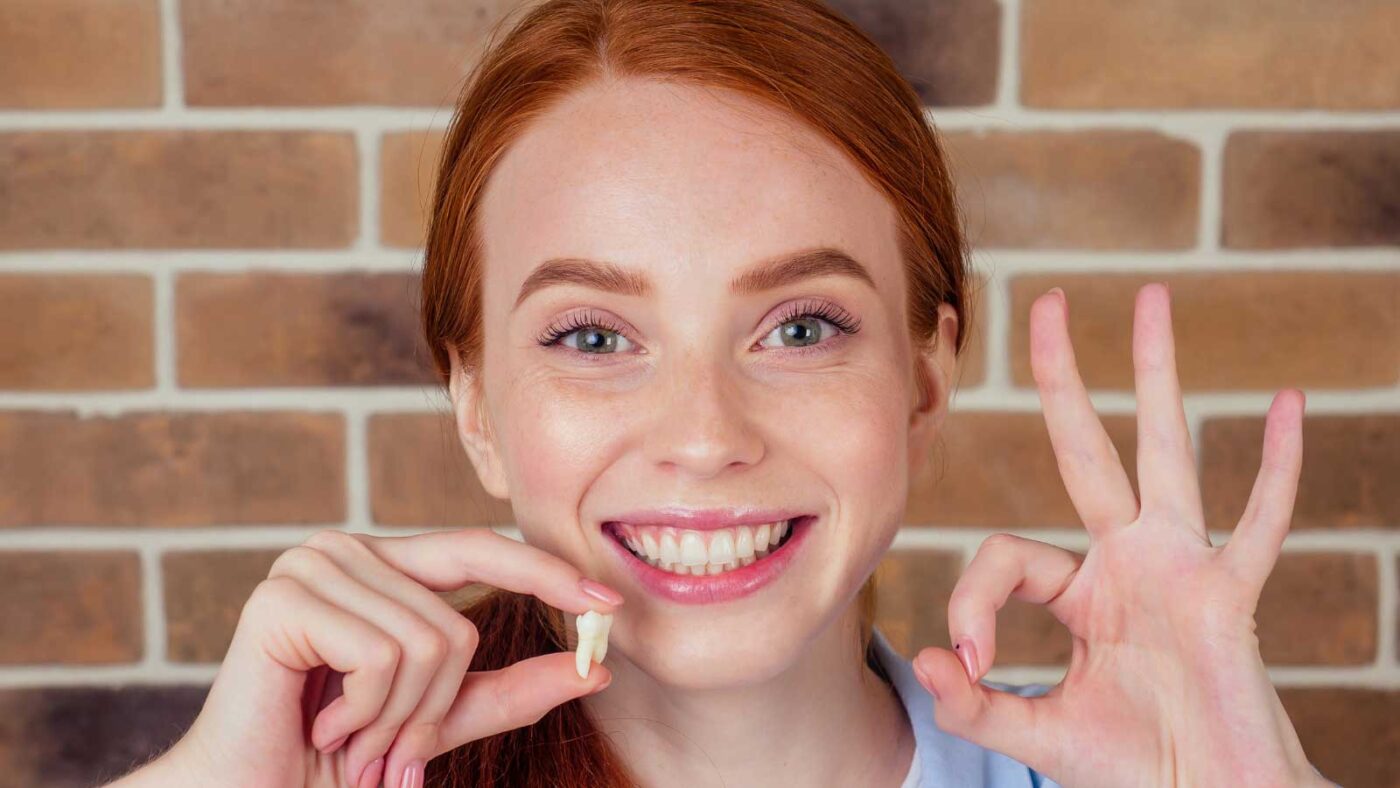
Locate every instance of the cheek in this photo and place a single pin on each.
(557, 443)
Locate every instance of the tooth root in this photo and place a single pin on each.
(593, 629)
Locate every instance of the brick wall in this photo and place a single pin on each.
(209, 215)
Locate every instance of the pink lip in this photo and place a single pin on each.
(704, 519)
(709, 589)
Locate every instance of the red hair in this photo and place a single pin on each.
(795, 55)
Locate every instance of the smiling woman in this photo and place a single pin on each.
(696, 283)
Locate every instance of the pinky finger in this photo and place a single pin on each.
(1254, 546)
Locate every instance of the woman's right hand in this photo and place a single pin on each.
(356, 615)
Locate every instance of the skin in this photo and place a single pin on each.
(702, 404)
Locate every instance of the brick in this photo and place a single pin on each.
(1027, 634)
(1350, 735)
(266, 328)
(408, 162)
(70, 607)
(972, 362)
(997, 469)
(1103, 189)
(1202, 54)
(1305, 189)
(407, 53)
(177, 188)
(172, 469)
(205, 591)
(420, 475)
(1234, 330)
(1350, 464)
(949, 51)
(1319, 608)
(65, 54)
(74, 737)
(76, 332)
(912, 587)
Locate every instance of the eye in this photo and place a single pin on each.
(804, 325)
(593, 334)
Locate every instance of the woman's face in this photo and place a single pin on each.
(697, 394)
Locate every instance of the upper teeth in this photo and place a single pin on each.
(593, 630)
(702, 552)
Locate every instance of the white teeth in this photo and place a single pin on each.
(722, 547)
(743, 542)
(760, 537)
(669, 554)
(692, 553)
(693, 549)
(593, 628)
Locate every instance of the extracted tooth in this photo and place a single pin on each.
(593, 628)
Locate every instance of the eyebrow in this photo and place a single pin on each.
(773, 272)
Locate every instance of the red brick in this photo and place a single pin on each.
(997, 469)
(76, 332)
(63, 54)
(408, 163)
(1107, 189)
(78, 607)
(205, 591)
(1291, 189)
(1319, 609)
(1350, 467)
(178, 188)
(323, 52)
(266, 328)
(1203, 54)
(912, 587)
(420, 475)
(1027, 634)
(1234, 330)
(1350, 735)
(172, 469)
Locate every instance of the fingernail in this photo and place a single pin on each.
(333, 746)
(412, 775)
(924, 680)
(967, 650)
(599, 591)
(369, 776)
(1057, 291)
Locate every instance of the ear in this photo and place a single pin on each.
(934, 367)
(474, 427)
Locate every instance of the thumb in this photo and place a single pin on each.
(496, 701)
(991, 718)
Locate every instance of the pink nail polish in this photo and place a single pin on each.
(599, 591)
(369, 776)
(335, 745)
(967, 650)
(412, 775)
(924, 680)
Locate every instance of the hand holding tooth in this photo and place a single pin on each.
(593, 630)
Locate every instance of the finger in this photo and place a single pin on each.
(304, 631)
(495, 701)
(1093, 472)
(1166, 461)
(1005, 565)
(422, 647)
(448, 560)
(1254, 546)
(992, 718)
(416, 741)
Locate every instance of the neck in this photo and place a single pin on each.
(826, 720)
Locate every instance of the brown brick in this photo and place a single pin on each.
(1319, 608)
(177, 188)
(1350, 467)
(1202, 53)
(912, 587)
(76, 332)
(972, 363)
(420, 475)
(266, 328)
(997, 469)
(1350, 735)
(408, 163)
(61, 54)
(1234, 330)
(1108, 189)
(411, 52)
(1312, 188)
(205, 591)
(949, 51)
(1027, 634)
(74, 737)
(171, 469)
(78, 607)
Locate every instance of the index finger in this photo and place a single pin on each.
(449, 560)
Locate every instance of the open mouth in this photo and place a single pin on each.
(687, 552)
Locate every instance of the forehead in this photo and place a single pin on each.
(678, 179)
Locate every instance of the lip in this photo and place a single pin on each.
(704, 519)
(711, 589)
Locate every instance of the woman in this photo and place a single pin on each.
(695, 267)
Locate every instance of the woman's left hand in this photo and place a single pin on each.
(1165, 685)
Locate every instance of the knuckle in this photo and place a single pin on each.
(426, 646)
(1000, 541)
(329, 540)
(272, 593)
(463, 635)
(382, 654)
(299, 561)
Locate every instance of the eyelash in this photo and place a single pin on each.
(844, 321)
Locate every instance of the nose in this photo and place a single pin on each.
(700, 424)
